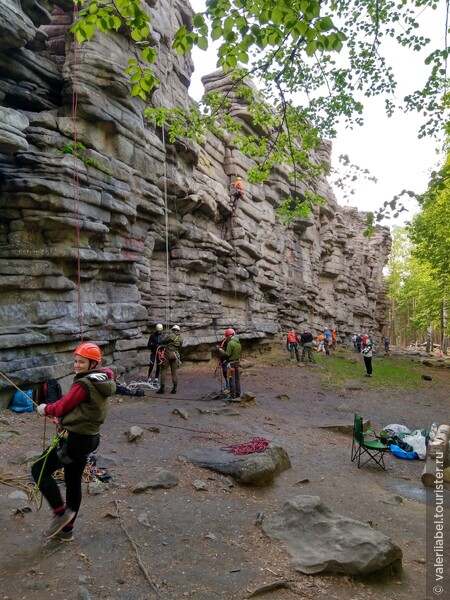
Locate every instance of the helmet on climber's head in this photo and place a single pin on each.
(159, 327)
(176, 328)
(238, 178)
(89, 350)
(230, 333)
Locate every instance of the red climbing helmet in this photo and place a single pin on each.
(229, 332)
(89, 350)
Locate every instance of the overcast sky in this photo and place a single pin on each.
(389, 148)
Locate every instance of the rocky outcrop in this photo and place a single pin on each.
(107, 228)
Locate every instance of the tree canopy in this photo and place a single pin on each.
(315, 61)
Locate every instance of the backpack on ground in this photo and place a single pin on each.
(22, 401)
(51, 391)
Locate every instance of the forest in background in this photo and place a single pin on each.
(418, 271)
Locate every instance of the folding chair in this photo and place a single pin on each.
(374, 449)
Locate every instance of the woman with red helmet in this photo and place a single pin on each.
(80, 412)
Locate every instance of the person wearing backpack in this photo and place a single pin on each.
(171, 343)
(154, 342)
(232, 354)
(80, 413)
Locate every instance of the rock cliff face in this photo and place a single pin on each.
(136, 230)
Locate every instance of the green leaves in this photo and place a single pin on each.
(107, 17)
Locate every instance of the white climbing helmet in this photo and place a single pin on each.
(176, 328)
(159, 327)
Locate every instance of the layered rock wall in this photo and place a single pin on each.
(136, 230)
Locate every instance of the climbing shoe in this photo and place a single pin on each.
(58, 522)
(64, 536)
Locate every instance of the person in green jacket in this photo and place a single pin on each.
(171, 343)
(232, 354)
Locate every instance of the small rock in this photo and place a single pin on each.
(134, 433)
(181, 412)
(199, 485)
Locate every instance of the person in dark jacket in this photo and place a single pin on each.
(367, 355)
(306, 340)
(80, 413)
(171, 343)
(232, 353)
(154, 342)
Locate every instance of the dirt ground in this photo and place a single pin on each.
(183, 543)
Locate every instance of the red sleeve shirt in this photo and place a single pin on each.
(67, 403)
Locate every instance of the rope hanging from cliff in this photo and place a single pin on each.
(76, 183)
(166, 213)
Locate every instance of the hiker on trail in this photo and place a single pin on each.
(327, 341)
(171, 343)
(80, 413)
(367, 355)
(306, 340)
(154, 342)
(358, 343)
(292, 345)
(387, 343)
(320, 342)
(223, 365)
(232, 354)
(237, 191)
(333, 339)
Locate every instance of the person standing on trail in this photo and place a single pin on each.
(306, 340)
(237, 191)
(387, 343)
(171, 343)
(333, 340)
(367, 355)
(80, 412)
(326, 340)
(232, 354)
(292, 345)
(154, 342)
(224, 365)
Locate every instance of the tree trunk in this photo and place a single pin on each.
(429, 347)
(444, 337)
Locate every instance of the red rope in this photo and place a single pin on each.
(76, 185)
(257, 444)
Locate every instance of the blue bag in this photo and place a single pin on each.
(21, 401)
(400, 453)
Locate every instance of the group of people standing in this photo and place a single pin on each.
(305, 343)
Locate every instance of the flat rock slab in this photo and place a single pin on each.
(256, 469)
(322, 541)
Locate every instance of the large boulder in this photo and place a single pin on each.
(257, 469)
(322, 541)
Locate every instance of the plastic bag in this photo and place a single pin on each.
(396, 428)
(399, 453)
(22, 401)
(417, 441)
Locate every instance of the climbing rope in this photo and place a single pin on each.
(257, 444)
(76, 182)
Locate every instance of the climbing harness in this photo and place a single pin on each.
(257, 444)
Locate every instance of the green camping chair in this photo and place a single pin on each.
(373, 448)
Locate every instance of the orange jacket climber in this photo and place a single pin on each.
(237, 191)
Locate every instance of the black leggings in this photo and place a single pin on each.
(78, 447)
